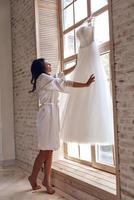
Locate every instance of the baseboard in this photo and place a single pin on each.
(5, 163)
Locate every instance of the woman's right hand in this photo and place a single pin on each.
(90, 80)
(79, 84)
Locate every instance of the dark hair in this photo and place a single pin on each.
(37, 68)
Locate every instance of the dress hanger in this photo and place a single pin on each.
(89, 19)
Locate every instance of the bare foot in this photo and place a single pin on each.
(33, 184)
(49, 188)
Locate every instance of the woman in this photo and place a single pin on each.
(47, 88)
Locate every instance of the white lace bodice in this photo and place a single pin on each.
(85, 35)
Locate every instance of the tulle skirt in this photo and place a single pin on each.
(87, 115)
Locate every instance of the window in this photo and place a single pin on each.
(72, 15)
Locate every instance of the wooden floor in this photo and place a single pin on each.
(97, 178)
(15, 186)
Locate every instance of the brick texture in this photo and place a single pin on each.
(25, 105)
(123, 30)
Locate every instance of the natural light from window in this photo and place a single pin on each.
(73, 14)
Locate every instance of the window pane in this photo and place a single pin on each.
(104, 154)
(102, 28)
(80, 10)
(97, 4)
(105, 61)
(68, 65)
(73, 150)
(68, 17)
(85, 152)
(66, 3)
(69, 44)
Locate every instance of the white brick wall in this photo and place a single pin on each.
(123, 28)
(24, 50)
(25, 105)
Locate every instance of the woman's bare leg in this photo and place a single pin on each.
(47, 172)
(40, 159)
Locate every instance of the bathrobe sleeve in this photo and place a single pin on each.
(56, 82)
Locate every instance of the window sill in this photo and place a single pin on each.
(85, 179)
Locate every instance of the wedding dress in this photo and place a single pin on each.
(87, 115)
